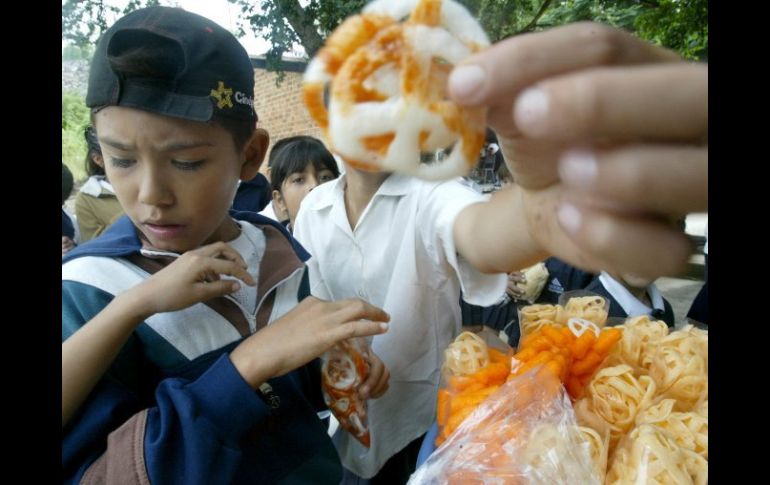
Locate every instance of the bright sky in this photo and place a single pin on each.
(225, 14)
(220, 11)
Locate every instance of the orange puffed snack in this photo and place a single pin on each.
(571, 353)
(473, 372)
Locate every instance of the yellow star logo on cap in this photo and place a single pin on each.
(222, 95)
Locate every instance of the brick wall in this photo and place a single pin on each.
(280, 108)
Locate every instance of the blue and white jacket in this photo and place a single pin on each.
(172, 408)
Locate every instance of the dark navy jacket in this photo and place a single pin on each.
(162, 417)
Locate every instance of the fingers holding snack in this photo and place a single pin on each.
(376, 383)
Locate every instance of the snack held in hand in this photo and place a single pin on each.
(343, 370)
(535, 278)
(386, 70)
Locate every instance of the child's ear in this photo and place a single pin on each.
(279, 206)
(98, 159)
(254, 153)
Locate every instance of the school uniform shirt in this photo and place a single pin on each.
(623, 304)
(252, 195)
(269, 212)
(96, 207)
(172, 408)
(400, 257)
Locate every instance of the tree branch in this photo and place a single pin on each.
(302, 24)
(540, 12)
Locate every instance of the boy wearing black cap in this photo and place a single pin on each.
(181, 311)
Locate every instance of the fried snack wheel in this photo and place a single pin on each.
(637, 347)
(579, 326)
(612, 400)
(467, 354)
(388, 99)
(650, 455)
(593, 308)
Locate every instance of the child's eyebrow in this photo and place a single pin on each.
(171, 146)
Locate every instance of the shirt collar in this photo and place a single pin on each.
(395, 185)
(630, 304)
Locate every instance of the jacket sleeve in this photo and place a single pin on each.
(181, 431)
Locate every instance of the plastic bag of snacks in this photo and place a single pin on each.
(573, 352)
(650, 454)
(476, 364)
(343, 369)
(651, 397)
(585, 305)
(579, 304)
(523, 433)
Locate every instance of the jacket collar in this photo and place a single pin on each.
(121, 238)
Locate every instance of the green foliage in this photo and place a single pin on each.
(83, 21)
(74, 119)
(681, 25)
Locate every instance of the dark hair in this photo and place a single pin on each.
(156, 61)
(292, 154)
(67, 182)
(92, 144)
(491, 137)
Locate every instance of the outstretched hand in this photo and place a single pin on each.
(606, 136)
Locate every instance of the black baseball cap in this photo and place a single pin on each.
(196, 68)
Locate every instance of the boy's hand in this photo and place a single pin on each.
(376, 382)
(192, 278)
(513, 289)
(303, 334)
(605, 133)
(67, 245)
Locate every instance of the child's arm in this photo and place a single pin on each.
(306, 332)
(192, 278)
(197, 428)
(605, 135)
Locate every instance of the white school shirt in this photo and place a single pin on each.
(627, 301)
(402, 258)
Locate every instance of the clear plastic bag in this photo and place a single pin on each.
(649, 454)
(475, 365)
(524, 433)
(581, 305)
(343, 369)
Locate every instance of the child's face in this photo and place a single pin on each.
(174, 178)
(296, 186)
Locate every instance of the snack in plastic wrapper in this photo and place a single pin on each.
(476, 364)
(612, 400)
(523, 433)
(638, 345)
(690, 430)
(680, 367)
(535, 278)
(585, 305)
(650, 455)
(343, 370)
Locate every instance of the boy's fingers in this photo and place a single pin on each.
(497, 74)
(221, 250)
(355, 309)
(624, 243)
(655, 102)
(230, 268)
(631, 176)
